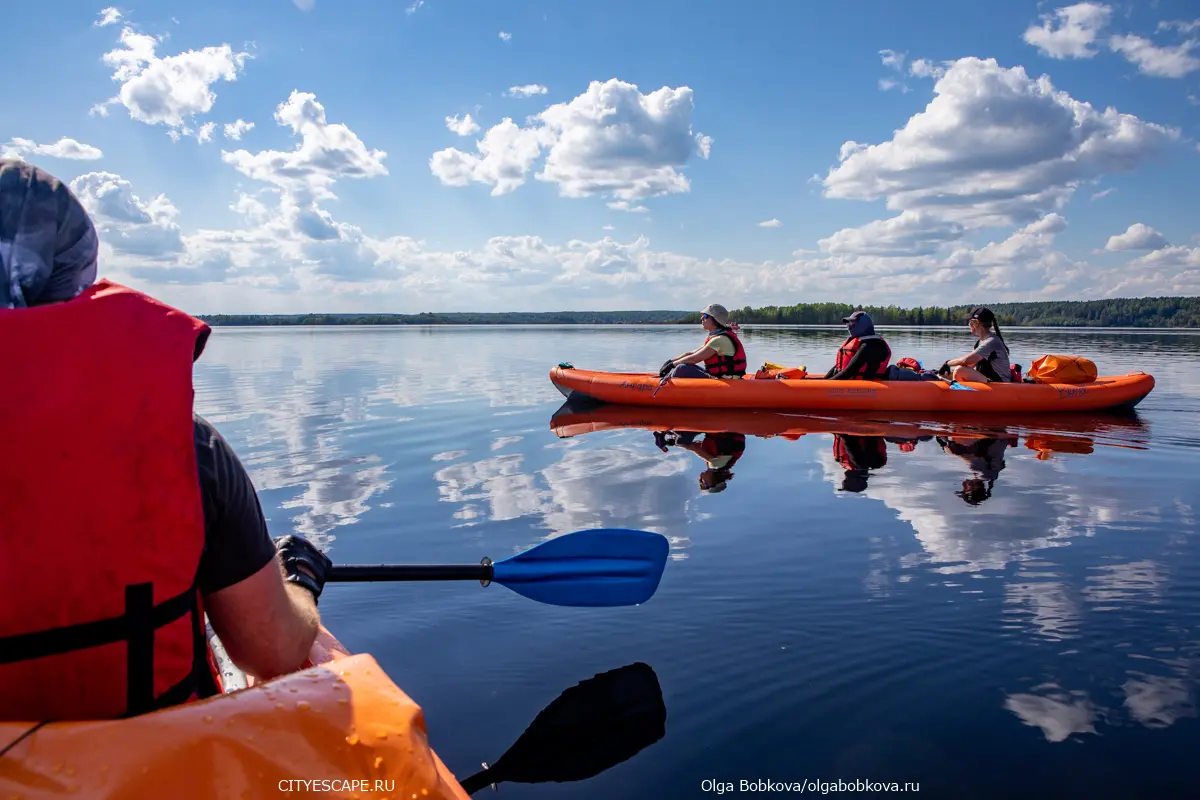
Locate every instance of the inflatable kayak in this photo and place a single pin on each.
(1050, 432)
(641, 389)
(340, 728)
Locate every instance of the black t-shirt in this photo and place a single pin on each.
(236, 541)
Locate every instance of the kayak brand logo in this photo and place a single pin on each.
(1066, 394)
(641, 387)
(854, 390)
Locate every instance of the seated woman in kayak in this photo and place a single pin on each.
(988, 362)
(721, 355)
(864, 355)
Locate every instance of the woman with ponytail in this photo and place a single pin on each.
(988, 362)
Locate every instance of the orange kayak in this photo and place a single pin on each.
(339, 728)
(641, 389)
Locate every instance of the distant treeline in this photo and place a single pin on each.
(458, 318)
(1147, 312)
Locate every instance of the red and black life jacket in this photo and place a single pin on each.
(720, 366)
(869, 452)
(101, 518)
(716, 445)
(850, 347)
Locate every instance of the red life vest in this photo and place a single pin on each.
(101, 519)
(720, 366)
(850, 347)
(724, 444)
(844, 455)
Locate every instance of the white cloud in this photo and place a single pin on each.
(205, 133)
(528, 90)
(924, 68)
(1155, 61)
(609, 141)
(305, 5)
(505, 154)
(1077, 29)
(505, 36)
(993, 147)
(1193, 99)
(887, 84)
(130, 226)
(1170, 256)
(1183, 26)
(892, 59)
(912, 233)
(608, 227)
(412, 9)
(1103, 194)
(63, 148)
(107, 16)
(326, 151)
(770, 223)
(1136, 237)
(625, 205)
(463, 127)
(170, 90)
(236, 130)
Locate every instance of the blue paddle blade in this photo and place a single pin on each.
(593, 567)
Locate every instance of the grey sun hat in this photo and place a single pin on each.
(717, 312)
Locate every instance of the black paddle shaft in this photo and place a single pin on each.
(345, 573)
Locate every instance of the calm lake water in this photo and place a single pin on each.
(847, 608)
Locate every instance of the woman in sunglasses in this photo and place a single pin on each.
(721, 355)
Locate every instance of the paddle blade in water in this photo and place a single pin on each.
(589, 728)
(593, 567)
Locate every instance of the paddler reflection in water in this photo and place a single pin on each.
(858, 455)
(985, 456)
(719, 450)
(122, 513)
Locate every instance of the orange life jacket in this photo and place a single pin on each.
(850, 347)
(872, 453)
(101, 519)
(720, 366)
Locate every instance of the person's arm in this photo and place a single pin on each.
(969, 360)
(266, 624)
(696, 356)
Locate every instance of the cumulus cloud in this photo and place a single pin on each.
(994, 147)
(326, 152)
(236, 130)
(1069, 32)
(463, 127)
(1136, 237)
(528, 90)
(1158, 62)
(612, 141)
(205, 133)
(107, 16)
(63, 148)
(505, 36)
(924, 68)
(170, 90)
(770, 223)
(912, 233)
(1170, 256)
(126, 223)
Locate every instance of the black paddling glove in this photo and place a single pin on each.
(667, 366)
(296, 550)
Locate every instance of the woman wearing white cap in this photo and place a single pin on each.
(721, 355)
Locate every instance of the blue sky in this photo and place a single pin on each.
(1004, 151)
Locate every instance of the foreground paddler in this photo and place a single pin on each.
(126, 517)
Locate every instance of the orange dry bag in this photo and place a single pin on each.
(1062, 369)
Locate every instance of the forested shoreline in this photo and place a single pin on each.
(1148, 312)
